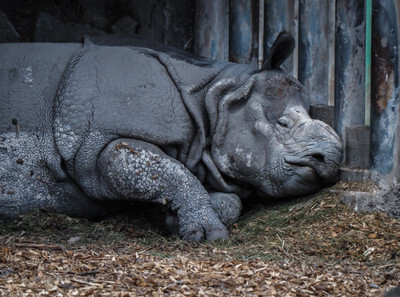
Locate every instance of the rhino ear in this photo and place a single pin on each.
(281, 50)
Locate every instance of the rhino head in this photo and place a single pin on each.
(265, 137)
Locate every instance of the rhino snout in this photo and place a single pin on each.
(322, 153)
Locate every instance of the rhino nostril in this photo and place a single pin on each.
(318, 157)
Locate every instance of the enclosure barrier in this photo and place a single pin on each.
(331, 59)
(385, 123)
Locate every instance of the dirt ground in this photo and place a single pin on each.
(313, 246)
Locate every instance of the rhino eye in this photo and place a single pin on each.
(283, 122)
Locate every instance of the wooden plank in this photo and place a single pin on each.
(331, 52)
(349, 68)
(385, 61)
(314, 48)
(261, 34)
(368, 38)
(295, 32)
(280, 16)
(212, 29)
(243, 31)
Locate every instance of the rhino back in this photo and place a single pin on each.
(30, 74)
(126, 92)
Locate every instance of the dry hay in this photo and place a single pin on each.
(313, 246)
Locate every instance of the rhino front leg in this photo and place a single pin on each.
(227, 205)
(132, 169)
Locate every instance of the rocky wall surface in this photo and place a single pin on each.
(169, 22)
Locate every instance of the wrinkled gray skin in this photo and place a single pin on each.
(83, 127)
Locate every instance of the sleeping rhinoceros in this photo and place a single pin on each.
(85, 126)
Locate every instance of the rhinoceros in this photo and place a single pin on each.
(87, 126)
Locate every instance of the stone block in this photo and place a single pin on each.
(353, 175)
(359, 201)
(323, 113)
(125, 25)
(50, 29)
(7, 31)
(357, 146)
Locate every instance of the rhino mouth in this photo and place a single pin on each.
(306, 176)
(311, 169)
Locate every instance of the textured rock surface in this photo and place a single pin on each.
(389, 202)
(374, 199)
(50, 29)
(169, 22)
(7, 31)
(126, 25)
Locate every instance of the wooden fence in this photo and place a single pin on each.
(336, 57)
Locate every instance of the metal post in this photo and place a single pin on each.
(385, 118)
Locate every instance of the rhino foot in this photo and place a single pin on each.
(199, 224)
(214, 234)
(227, 205)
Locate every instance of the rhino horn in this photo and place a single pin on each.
(281, 50)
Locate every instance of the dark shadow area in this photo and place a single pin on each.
(168, 22)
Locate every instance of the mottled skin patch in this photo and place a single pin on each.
(27, 180)
(131, 168)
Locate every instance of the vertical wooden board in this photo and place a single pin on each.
(349, 66)
(280, 15)
(385, 123)
(314, 35)
(261, 33)
(243, 31)
(295, 33)
(212, 29)
(331, 52)
(368, 38)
